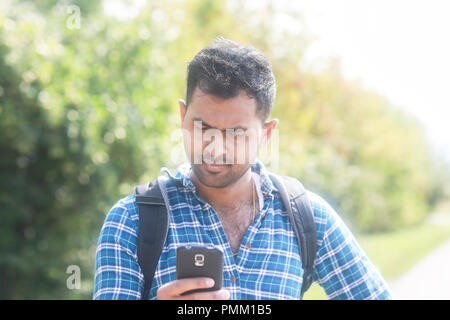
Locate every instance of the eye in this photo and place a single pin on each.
(198, 125)
(237, 133)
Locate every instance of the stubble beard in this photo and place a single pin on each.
(219, 180)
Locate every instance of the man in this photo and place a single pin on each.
(225, 198)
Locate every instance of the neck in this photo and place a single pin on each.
(231, 196)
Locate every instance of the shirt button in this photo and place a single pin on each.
(248, 245)
(233, 280)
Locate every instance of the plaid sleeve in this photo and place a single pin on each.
(117, 273)
(341, 267)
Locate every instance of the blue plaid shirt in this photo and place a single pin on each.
(268, 265)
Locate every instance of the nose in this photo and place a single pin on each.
(218, 151)
(215, 148)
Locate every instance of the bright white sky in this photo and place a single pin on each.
(399, 48)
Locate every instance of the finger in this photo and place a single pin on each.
(208, 295)
(179, 286)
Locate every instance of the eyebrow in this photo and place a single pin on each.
(210, 126)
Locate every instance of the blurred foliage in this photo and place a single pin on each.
(88, 112)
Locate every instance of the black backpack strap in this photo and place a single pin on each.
(151, 199)
(300, 212)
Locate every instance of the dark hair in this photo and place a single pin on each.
(225, 67)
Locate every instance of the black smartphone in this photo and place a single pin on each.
(200, 261)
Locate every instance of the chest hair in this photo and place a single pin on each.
(235, 223)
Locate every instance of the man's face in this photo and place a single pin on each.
(222, 136)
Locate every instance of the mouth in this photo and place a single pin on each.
(215, 168)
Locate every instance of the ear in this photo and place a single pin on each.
(183, 109)
(269, 127)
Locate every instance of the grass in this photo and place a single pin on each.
(394, 253)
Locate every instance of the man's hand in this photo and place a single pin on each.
(174, 289)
